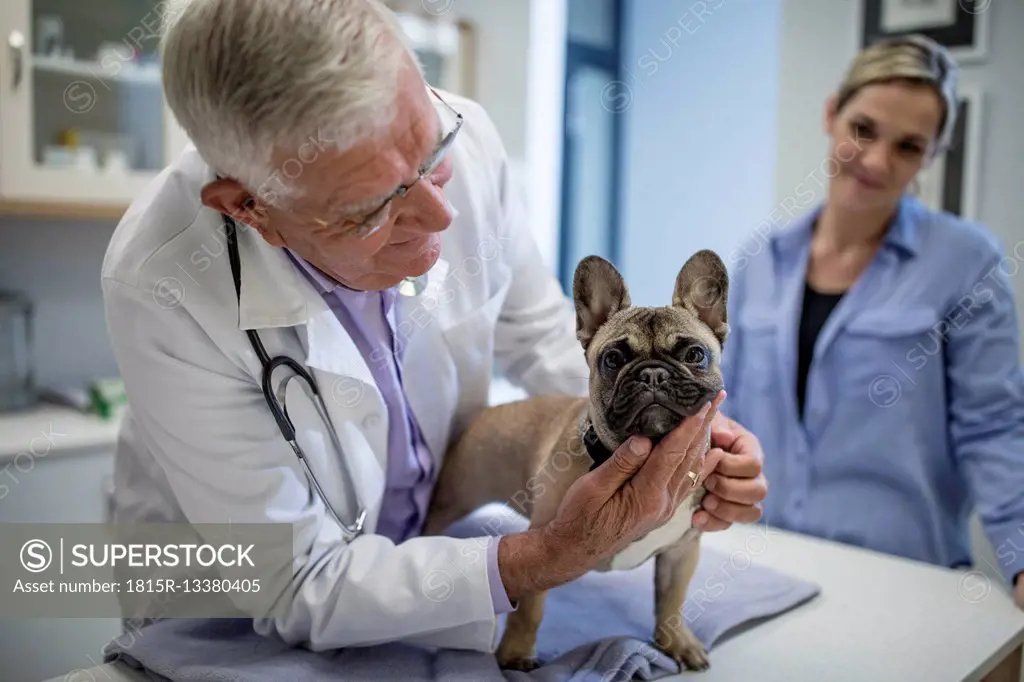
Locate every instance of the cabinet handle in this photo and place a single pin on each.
(16, 41)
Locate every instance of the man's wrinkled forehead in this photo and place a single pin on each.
(350, 200)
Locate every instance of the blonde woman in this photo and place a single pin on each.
(875, 347)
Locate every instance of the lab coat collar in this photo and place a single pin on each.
(276, 294)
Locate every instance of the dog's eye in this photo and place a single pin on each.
(613, 359)
(694, 355)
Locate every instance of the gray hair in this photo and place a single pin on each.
(253, 82)
(913, 58)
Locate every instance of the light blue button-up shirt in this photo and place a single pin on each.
(915, 397)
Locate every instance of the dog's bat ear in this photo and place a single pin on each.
(599, 292)
(702, 287)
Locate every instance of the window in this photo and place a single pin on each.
(592, 158)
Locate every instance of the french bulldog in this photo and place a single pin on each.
(650, 368)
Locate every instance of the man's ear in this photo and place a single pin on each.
(229, 197)
(599, 292)
(702, 287)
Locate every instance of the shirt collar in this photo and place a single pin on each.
(903, 234)
(325, 284)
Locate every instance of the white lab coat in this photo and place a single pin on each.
(198, 443)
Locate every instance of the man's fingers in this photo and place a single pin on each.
(738, 465)
(672, 452)
(709, 523)
(681, 480)
(725, 432)
(621, 466)
(711, 462)
(730, 512)
(739, 490)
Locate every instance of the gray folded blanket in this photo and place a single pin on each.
(597, 628)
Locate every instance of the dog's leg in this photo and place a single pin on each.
(517, 650)
(673, 571)
(568, 462)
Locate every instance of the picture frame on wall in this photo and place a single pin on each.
(961, 26)
(951, 182)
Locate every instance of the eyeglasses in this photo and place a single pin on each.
(378, 217)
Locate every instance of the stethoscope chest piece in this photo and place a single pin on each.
(412, 286)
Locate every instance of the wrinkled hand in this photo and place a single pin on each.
(626, 497)
(733, 477)
(1018, 590)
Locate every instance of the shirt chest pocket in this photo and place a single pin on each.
(756, 363)
(884, 353)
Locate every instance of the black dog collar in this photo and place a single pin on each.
(595, 448)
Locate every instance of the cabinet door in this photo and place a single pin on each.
(84, 116)
(57, 488)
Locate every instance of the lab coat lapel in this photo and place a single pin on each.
(430, 380)
(274, 294)
(354, 405)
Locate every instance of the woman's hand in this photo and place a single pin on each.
(733, 477)
(1018, 590)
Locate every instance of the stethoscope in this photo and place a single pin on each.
(276, 404)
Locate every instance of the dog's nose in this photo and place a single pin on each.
(653, 376)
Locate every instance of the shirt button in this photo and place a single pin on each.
(796, 506)
(371, 421)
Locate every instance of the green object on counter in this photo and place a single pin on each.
(107, 397)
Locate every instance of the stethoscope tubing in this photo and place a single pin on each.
(284, 423)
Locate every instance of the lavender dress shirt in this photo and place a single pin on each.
(368, 317)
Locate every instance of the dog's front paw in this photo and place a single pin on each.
(685, 649)
(516, 653)
(521, 664)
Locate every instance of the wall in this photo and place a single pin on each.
(700, 133)
(520, 69)
(57, 263)
(818, 40)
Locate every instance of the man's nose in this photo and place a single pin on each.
(426, 206)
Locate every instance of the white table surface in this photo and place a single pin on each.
(878, 619)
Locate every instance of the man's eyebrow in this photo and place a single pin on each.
(350, 209)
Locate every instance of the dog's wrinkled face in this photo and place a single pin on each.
(650, 367)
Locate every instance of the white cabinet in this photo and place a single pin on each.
(54, 468)
(84, 120)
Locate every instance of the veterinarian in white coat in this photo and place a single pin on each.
(469, 292)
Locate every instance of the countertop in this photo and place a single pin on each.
(48, 430)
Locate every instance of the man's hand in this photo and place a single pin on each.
(636, 490)
(734, 480)
(1018, 590)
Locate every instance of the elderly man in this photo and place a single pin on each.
(338, 212)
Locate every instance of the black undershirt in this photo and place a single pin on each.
(815, 310)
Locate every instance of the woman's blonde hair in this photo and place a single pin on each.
(912, 58)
